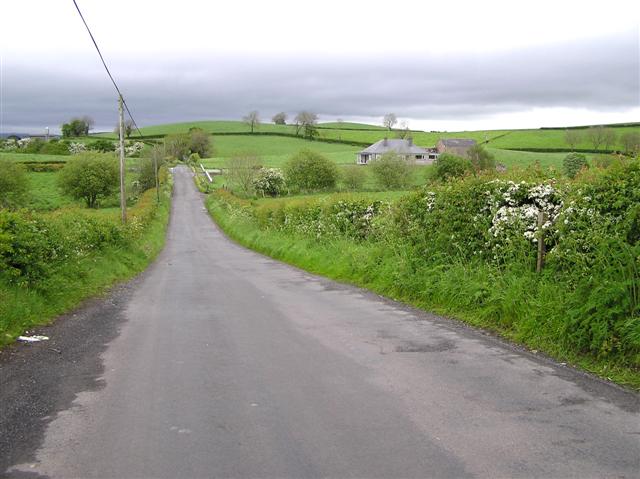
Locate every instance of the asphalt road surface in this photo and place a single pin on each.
(219, 362)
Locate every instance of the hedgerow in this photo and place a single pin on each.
(469, 246)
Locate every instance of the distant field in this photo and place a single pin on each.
(550, 138)
(20, 157)
(275, 150)
(521, 159)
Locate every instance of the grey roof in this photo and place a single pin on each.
(398, 146)
(457, 142)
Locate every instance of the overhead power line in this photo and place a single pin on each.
(95, 44)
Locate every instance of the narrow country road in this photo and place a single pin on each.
(219, 362)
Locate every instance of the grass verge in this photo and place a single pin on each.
(451, 291)
(22, 307)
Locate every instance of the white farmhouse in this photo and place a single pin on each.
(404, 148)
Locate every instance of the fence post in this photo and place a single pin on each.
(541, 250)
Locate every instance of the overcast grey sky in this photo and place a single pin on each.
(458, 65)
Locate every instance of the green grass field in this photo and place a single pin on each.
(358, 132)
(22, 157)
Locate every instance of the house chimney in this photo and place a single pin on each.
(384, 143)
(410, 141)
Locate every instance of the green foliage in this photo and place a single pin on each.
(353, 177)
(177, 146)
(480, 158)
(51, 262)
(310, 171)
(13, 184)
(77, 127)
(449, 166)
(573, 163)
(391, 171)
(55, 147)
(34, 146)
(90, 177)
(200, 142)
(103, 146)
(242, 170)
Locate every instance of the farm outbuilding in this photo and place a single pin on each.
(404, 148)
(455, 146)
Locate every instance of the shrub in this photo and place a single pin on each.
(34, 145)
(310, 171)
(391, 171)
(480, 158)
(103, 146)
(573, 163)
(90, 177)
(450, 166)
(269, 182)
(55, 147)
(353, 177)
(13, 184)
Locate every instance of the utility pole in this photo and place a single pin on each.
(155, 169)
(123, 193)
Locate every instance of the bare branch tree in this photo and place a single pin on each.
(242, 170)
(306, 121)
(572, 138)
(252, 119)
(389, 120)
(596, 134)
(609, 138)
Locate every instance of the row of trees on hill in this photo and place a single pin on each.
(600, 136)
(305, 122)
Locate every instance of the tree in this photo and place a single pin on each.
(609, 138)
(88, 124)
(199, 142)
(596, 135)
(102, 145)
(449, 166)
(242, 170)
(572, 138)
(573, 163)
(306, 121)
(14, 184)
(389, 120)
(252, 119)
(176, 146)
(154, 157)
(631, 143)
(127, 126)
(392, 171)
(280, 118)
(480, 158)
(310, 171)
(268, 182)
(77, 127)
(403, 131)
(90, 176)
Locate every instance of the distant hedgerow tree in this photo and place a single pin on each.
(252, 119)
(90, 176)
(609, 138)
(176, 146)
(310, 171)
(280, 118)
(631, 143)
(306, 121)
(389, 120)
(573, 163)
(596, 135)
(572, 138)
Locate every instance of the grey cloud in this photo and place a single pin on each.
(597, 74)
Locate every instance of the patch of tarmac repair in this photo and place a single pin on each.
(416, 347)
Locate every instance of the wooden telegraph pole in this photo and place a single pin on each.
(123, 192)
